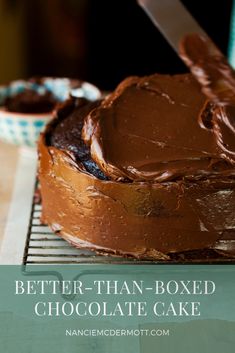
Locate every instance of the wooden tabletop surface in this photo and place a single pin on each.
(8, 162)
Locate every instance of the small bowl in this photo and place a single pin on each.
(23, 128)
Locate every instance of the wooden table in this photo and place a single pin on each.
(8, 162)
(17, 179)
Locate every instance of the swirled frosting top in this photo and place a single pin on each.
(157, 128)
(217, 79)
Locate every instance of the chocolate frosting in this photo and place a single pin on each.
(217, 79)
(209, 67)
(157, 128)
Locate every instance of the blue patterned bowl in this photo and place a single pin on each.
(24, 129)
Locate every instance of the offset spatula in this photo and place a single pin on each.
(208, 65)
(199, 53)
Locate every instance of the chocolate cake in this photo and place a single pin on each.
(141, 173)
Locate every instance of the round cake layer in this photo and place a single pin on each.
(146, 221)
(149, 220)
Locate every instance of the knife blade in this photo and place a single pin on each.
(204, 59)
(172, 19)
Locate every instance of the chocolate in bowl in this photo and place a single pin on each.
(151, 182)
(30, 101)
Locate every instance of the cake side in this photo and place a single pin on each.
(132, 219)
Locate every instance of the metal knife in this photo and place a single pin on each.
(172, 19)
